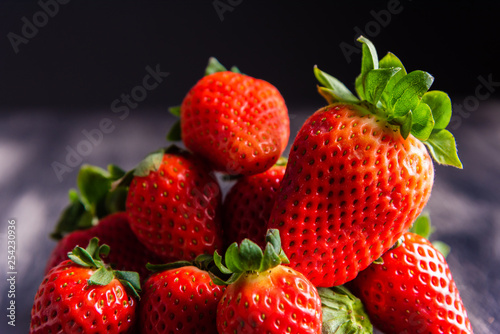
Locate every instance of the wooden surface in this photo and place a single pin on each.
(463, 206)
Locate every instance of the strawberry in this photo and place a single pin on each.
(238, 123)
(173, 205)
(248, 205)
(179, 297)
(412, 291)
(113, 230)
(82, 295)
(264, 296)
(358, 173)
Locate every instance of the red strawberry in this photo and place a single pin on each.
(182, 299)
(82, 295)
(248, 205)
(238, 123)
(174, 205)
(412, 291)
(264, 296)
(356, 178)
(113, 230)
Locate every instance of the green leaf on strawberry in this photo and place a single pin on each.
(90, 257)
(442, 247)
(248, 257)
(215, 66)
(333, 90)
(175, 133)
(343, 313)
(422, 225)
(440, 104)
(423, 122)
(408, 92)
(150, 164)
(443, 148)
(93, 183)
(176, 111)
(401, 99)
(376, 81)
(99, 193)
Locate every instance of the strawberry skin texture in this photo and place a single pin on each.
(114, 230)
(412, 291)
(248, 205)
(181, 300)
(280, 300)
(239, 123)
(66, 303)
(174, 211)
(352, 187)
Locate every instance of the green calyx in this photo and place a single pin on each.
(214, 66)
(343, 313)
(99, 192)
(248, 257)
(152, 162)
(402, 99)
(91, 258)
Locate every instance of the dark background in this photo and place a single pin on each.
(64, 80)
(90, 52)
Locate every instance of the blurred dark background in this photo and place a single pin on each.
(90, 52)
(65, 65)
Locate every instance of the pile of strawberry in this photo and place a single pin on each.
(331, 240)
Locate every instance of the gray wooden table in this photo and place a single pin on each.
(463, 206)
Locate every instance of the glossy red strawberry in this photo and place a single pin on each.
(83, 295)
(264, 296)
(173, 205)
(248, 205)
(358, 173)
(238, 123)
(412, 291)
(179, 298)
(113, 230)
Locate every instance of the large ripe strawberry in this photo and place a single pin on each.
(238, 123)
(82, 295)
(412, 291)
(173, 204)
(113, 230)
(264, 296)
(179, 297)
(358, 173)
(248, 205)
